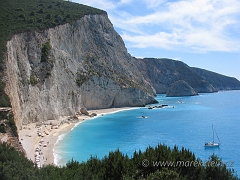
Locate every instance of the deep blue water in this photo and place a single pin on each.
(188, 124)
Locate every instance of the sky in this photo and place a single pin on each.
(201, 33)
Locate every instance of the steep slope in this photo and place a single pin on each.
(162, 73)
(24, 16)
(180, 88)
(59, 70)
(220, 82)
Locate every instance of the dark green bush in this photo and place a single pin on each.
(12, 124)
(39, 20)
(22, 16)
(32, 13)
(41, 11)
(45, 52)
(2, 128)
(31, 20)
(19, 9)
(49, 16)
(33, 80)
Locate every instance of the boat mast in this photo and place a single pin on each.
(213, 133)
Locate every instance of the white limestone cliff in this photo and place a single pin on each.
(87, 66)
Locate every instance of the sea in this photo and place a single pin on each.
(185, 122)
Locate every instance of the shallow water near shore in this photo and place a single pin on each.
(186, 121)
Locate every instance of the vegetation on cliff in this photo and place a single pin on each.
(21, 16)
(12, 124)
(143, 165)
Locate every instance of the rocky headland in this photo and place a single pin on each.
(162, 73)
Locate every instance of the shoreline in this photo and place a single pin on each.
(39, 139)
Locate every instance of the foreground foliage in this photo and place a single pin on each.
(14, 165)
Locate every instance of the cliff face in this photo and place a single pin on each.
(181, 88)
(220, 82)
(57, 71)
(162, 73)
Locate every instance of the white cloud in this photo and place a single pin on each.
(199, 25)
(154, 3)
(125, 1)
(195, 25)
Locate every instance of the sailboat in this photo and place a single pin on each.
(212, 144)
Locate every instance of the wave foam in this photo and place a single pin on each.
(57, 158)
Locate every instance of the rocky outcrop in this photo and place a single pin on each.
(180, 88)
(58, 71)
(84, 111)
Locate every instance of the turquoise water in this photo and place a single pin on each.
(188, 124)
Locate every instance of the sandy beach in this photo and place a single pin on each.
(38, 139)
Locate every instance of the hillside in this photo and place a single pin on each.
(162, 73)
(21, 16)
(35, 15)
(220, 82)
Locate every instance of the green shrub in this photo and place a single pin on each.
(49, 16)
(41, 11)
(33, 80)
(19, 9)
(81, 79)
(39, 20)
(32, 13)
(12, 125)
(4, 100)
(165, 174)
(2, 128)
(68, 16)
(3, 115)
(22, 16)
(45, 52)
(31, 20)
(2, 85)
